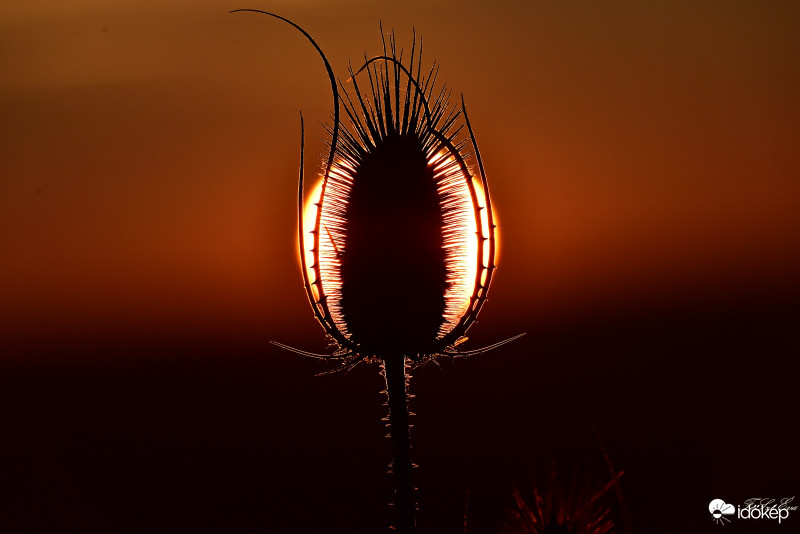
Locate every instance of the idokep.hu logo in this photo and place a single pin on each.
(719, 509)
(756, 508)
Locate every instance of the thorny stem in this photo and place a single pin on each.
(395, 373)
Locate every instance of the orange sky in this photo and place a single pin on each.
(148, 154)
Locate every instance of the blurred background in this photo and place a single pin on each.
(643, 160)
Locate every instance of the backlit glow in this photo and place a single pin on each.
(460, 236)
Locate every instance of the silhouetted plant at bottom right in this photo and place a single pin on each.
(571, 505)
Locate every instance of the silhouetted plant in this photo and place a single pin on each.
(403, 238)
(560, 505)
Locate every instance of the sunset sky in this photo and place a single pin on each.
(636, 151)
(643, 159)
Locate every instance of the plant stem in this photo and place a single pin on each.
(395, 371)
